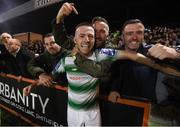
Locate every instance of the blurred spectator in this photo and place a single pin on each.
(42, 66)
(17, 58)
(163, 35)
(4, 37)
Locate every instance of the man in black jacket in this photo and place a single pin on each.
(4, 37)
(41, 66)
(16, 58)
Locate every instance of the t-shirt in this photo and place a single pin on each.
(83, 89)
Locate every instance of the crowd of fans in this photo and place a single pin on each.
(36, 46)
(167, 36)
(164, 35)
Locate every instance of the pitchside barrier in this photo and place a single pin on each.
(47, 106)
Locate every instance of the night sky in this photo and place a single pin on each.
(151, 12)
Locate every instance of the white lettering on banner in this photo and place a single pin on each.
(17, 96)
(29, 112)
(12, 96)
(49, 121)
(5, 100)
(27, 101)
(33, 99)
(43, 105)
(6, 91)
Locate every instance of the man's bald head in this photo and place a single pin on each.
(4, 37)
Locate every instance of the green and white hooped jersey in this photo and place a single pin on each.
(83, 89)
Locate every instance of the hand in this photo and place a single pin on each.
(65, 10)
(27, 90)
(45, 80)
(113, 96)
(162, 52)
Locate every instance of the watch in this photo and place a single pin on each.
(177, 49)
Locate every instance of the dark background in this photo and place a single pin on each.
(151, 12)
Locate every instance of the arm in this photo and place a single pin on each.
(58, 27)
(101, 68)
(89, 66)
(61, 36)
(36, 69)
(163, 52)
(166, 54)
(35, 66)
(93, 68)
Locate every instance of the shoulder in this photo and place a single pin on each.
(106, 51)
(144, 48)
